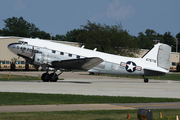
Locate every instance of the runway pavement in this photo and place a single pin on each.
(71, 107)
(96, 85)
(93, 85)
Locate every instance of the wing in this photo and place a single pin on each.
(78, 64)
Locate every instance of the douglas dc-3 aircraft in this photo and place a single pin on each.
(47, 53)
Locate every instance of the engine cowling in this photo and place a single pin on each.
(44, 59)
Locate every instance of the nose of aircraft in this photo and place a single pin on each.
(12, 47)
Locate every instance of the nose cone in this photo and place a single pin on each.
(12, 47)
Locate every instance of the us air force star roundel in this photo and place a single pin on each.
(130, 66)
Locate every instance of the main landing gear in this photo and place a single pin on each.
(145, 80)
(53, 77)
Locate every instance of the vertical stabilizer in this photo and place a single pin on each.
(159, 56)
(164, 56)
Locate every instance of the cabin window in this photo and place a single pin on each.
(78, 57)
(61, 53)
(70, 55)
(53, 51)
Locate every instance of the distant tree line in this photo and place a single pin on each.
(19, 27)
(110, 39)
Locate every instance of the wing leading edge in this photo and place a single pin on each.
(78, 64)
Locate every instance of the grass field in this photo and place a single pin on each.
(44, 99)
(89, 115)
(6, 77)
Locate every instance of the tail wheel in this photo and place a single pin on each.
(45, 77)
(146, 80)
(53, 77)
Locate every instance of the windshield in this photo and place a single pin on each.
(173, 64)
(2, 62)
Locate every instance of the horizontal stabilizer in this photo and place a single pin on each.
(78, 64)
(153, 72)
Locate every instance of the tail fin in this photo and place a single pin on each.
(159, 55)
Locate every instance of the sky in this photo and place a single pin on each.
(60, 16)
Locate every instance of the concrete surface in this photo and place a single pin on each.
(70, 107)
(95, 85)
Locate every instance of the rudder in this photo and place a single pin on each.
(164, 56)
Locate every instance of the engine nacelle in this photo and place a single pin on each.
(44, 59)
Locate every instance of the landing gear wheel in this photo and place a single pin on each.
(53, 77)
(146, 80)
(45, 77)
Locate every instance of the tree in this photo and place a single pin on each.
(150, 32)
(72, 34)
(1, 32)
(145, 41)
(109, 39)
(41, 35)
(178, 38)
(60, 37)
(18, 27)
(169, 39)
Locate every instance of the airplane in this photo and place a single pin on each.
(46, 53)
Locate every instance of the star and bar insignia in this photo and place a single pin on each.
(130, 66)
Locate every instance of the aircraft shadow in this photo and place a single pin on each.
(78, 82)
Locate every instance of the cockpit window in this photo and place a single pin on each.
(22, 42)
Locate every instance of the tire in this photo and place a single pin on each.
(52, 78)
(45, 77)
(146, 80)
